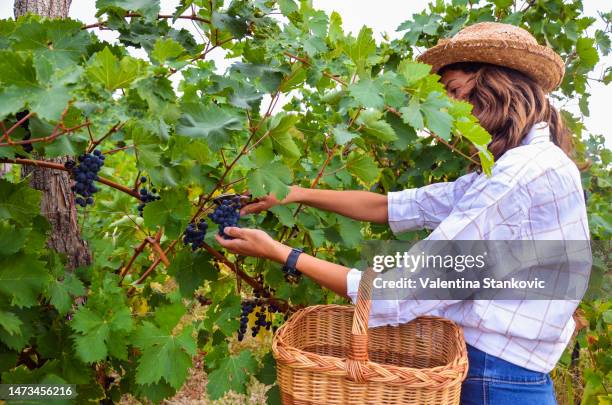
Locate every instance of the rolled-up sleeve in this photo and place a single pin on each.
(424, 207)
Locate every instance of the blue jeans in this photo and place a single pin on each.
(493, 381)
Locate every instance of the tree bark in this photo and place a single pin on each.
(57, 201)
(45, 8)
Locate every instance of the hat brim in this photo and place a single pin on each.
(538, 62)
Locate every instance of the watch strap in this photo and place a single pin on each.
(293, 258)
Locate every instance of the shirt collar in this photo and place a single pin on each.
(537, 134)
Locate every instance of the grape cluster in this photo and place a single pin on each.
(227, 213)
(194, 234)
(263, 316)
(84, 174)
(146, 196)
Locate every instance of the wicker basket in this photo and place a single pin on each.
(326, 354)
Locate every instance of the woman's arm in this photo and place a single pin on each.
(359, 205)
(257, 243)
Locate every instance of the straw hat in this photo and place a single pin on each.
(499, 44)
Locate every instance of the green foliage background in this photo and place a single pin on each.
(350, 121)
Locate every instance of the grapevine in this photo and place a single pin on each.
(84, 174)
(195, 233)
(227, 213)
(146, 196)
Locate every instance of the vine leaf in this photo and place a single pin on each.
(282, 127)
(10, 322)
(438, 120)
(22, 277)
(166, 49)
(148, 8)
(190, 271)
(112, 73)
(233, 374)
(373, 125)
(94, 341)
(270, 178)
(164, 355)
(342, 135)
(61, 292)
(362, 166)
(170, 212)
(412, 72)
(367, 93)
(210, 122)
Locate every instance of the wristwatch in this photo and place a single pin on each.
(291, 273)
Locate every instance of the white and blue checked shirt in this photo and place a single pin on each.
(534, 193)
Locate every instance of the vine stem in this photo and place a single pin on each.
(192, 17)
(139, 249)
(59, 166)
(55, 134)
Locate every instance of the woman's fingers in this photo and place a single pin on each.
(233, 245)
(254, 208)
(235, 232)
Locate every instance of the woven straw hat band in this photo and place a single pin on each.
(499, 44)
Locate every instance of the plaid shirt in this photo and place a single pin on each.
(534, 193)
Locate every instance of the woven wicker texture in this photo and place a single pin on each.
(326, 354)
(499, 44)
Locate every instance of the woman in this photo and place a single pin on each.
(534, 193)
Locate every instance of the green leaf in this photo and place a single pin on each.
(270, 178)
(587, 52)
(233, 374)
(267, 374)
(148, 8)
(342, 135)
(166, 49)
(474, 132)
(22, 278)
(373, 125)
(436, 118)
(411, 114)
(335, 27)
(114, 74)
(61, 292)
(362, 166)
(190, 271)
(164, 356)
(503, 3)
(231, 23)
(10, 322)
(170, 212)
(367, 93)
(12, 239)
(363, 47)
(287, 6)
(209, 122)
(412, 72)
(281, 129)
(95, 328)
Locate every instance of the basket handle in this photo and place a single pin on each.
(358, 355)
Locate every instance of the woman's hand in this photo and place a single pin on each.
(253, 242)
(262, 204)
(269, 201)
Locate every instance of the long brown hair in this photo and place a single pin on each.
(508, 103)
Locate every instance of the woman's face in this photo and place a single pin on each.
(458, 83)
